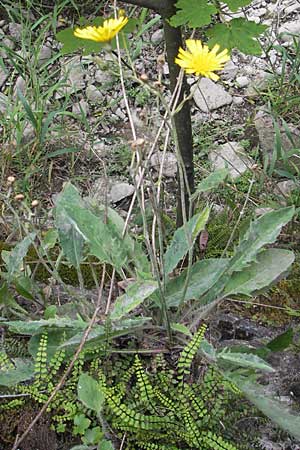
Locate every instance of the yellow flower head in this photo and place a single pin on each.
(198, 59)
(103, 33)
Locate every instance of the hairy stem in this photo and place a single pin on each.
(182, 120)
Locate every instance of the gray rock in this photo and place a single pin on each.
(4, 101)
(264, 126)
(100, 149)
(100, 190)
(170, 163)
(120, 113)
(210, 96)
(28, 134)
(249, 70)
(93, 94)
(15, 30)
(261, 211)
(230, 71)
(284, 188)
(20, 85)
(3, 76)
(45, 54)
(103, 77)
(232, 156)
(237, 100)
(292, 8)
(80, 108)
(7, 42)
(288, 29)
(242, 81)
(165, 69)
(259, 82)
(72, 77)
(260, 12)
(120, 191)
(254, 19)
(157, 36)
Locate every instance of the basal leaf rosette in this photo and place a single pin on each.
(198, 59)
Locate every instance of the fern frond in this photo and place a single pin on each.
(189, 352)
(216, 442)
(40, 367)
(145, 389)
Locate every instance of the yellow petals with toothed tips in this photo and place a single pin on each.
(105, 32)
(198, 59)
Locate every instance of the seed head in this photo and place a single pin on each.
(11, 180)
(144, 77)
(19, 197)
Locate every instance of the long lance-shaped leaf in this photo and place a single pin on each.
(13, 259)
(101, 230)
(184, 239)
(135, 295)
(202, 277)
(70, 238)
(270, 265)
(272, 408)
(243, 360)
(261, 232)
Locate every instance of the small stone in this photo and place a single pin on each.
(120, 191)
(265, 129)
(4, 102)
(15, 30)
(157, 36)
(285, 187)
(99, 191)
(72, 77)
(230, 71)
(288, 29)
(237, 100)
(3, 76)
(120, 113)
(99, 149)
(170, 163)
(260, 12)
(242, 81)
(254, 19)
(45, 54)
(93, 94)
(103, 77)
(80, 108)
(249, 70)
(232, 156)
(7, 42)
(292, 8)
(210, 96)
(260, 82)
(20, 85)
(28, 134)
(261, 211)
(165, 69)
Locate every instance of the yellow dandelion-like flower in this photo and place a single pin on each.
(198, 59)
(103, 33)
